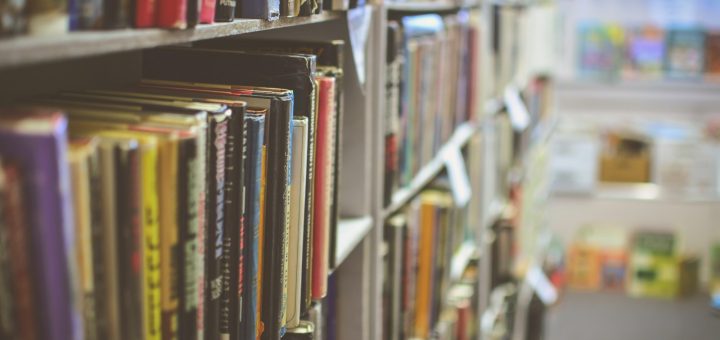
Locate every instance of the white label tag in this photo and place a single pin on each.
(359, 27)
(542, 286)
(457, 173)
(519, 115)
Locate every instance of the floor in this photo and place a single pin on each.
(614, 316)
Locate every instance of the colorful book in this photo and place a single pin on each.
(685, 56)
(37, 141)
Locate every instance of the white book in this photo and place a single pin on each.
(297, 217)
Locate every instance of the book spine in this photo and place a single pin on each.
(116, 14)
(169, 244)
(151, 232)
(18, 243)
(225, 10)
(306, 283)
(145, 13)
(215, 222)
(87, 15)
(80, 178)
(297, 210)
(13, 15)
(252, 152)
(260, 9)
(47, 17)
(194, 8)
(207, 11)
(100, 273)
(130, 229)
(261, 244)
(234, 226)
(7, 303)
(203, 149)
(323, 184)
(108, 245)
(171, 14)
(276, 225)
(424, 273)
(189, 178)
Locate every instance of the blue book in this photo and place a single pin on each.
(254, 132)
(685, 54)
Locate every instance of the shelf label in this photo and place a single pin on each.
(518, 112)
(542, 285)
(359, 28)
(457, 173)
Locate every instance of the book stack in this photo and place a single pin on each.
(420, 298)
(196, 204)
(50, 17)
(431, 62)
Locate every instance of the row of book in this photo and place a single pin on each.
(612, 51)
(420, 298)
(43, 17)
(199, 203)
(432, 62)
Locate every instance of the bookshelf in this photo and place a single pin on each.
(23, 50)
(81, 60)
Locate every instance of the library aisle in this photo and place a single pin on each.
(612, 315)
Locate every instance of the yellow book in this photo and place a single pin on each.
(169, 229)
(425, 269)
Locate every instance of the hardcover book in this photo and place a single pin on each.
(297, 218)
(37, 141)
(685, 57)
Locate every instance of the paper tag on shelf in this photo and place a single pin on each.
(457, 173)
(542, 285)
(518, 112)
(359, 27)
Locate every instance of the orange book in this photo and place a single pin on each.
(425, 267)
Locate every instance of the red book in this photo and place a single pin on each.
(144, 13)
(207, 11)
(324, 151)
(18, 249)
(171, 14)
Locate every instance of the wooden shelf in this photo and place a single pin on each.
(350, 232)
(25, 50)
(430, 170)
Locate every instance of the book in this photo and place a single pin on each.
(13, 22)
(7, 303)
(194, 10)
(117, 14)
(37, 141)
(297, 218)
(253, 153)
(645, 52)
(16, 224)
(79, 156)
(146, 13)
(47, 17)
(305, 330)
(323, 186)
(207, 11)
(86, 15)
(171, 14)
(394, 236)
(599, 50)
(392, 111)
(685, 56)
(259, 9)
(167, 189)
(225, 10)
(712, 54)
